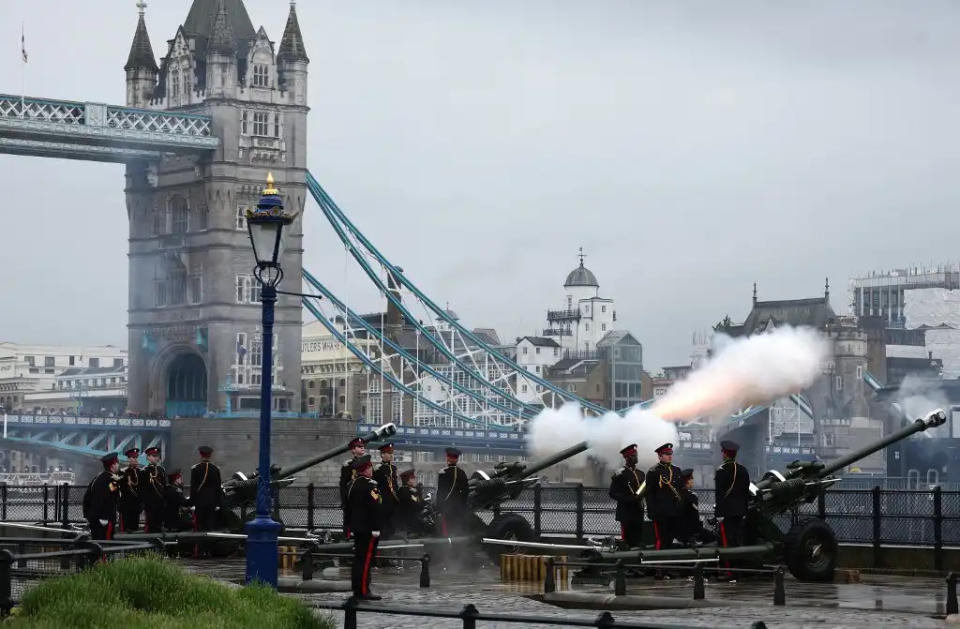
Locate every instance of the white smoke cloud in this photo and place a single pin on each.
(555, 429)
(916, 397)
(747, 371)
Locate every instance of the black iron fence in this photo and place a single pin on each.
(869, 516)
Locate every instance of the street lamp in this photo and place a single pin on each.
(265, 225)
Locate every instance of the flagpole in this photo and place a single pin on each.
(23, 71)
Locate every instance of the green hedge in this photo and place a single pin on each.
(154, 593)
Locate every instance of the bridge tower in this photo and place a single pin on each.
(194, 310)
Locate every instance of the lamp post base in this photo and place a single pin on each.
(262, 550)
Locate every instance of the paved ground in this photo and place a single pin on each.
(876, 602)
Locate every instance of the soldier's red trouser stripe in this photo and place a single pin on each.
(623, 532)
(109, 530)
(723, 540)
(365, 580)
(656, 533)
(443, 525)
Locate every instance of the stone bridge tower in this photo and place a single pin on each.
(194, 311)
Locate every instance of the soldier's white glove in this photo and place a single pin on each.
(103, 522)
(376, 533)
(193, 509)
(216, 508)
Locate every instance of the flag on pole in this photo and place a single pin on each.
(23, 44)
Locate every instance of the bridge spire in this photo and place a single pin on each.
(141, 52)
(221, 32)
(291, 44)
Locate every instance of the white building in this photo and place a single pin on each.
(332, 377)
(30, 368)
(584, 317)
(535, 354)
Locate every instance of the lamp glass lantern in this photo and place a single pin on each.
(265, 227)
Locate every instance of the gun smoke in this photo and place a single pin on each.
(916, 396)
(747, 371)
(556, 429)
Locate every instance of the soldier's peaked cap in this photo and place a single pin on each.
(132, 452)
(152, 450)
(174, 474)
(453, 452)
(361, 462)
(205, 450)
(387, 447)
(664, 449)
(405, 474)
(687, 473)
(356, 442)
(729, 446)
(630, 449)
(109, 459)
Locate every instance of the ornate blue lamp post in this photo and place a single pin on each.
(266, 235)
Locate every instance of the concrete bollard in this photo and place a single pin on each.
(425, 571)
(549, 583)
(779, 595)
(620, 580)
(952, 593)
(698, 587)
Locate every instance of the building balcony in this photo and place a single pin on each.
(563, 315)
(556, 332)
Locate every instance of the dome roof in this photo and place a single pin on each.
(581, 276)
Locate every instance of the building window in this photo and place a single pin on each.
(180, 214)
(49, 361)
(241, 352)
(248, 290)
(118, 362)
(175, 83)
(524, 350)
(603, 308)
(839, 383)
(159, 221)
(244, 122)
(523, 389)
(71, 361)
(256, 351)
(203, 217)
(538, 350)
(828, 439)
(241, 217)
(603, 327)
(261, 123)
(94, 362)
(261, 75)
(556, 351)
(586, 327)
(859, 372)
(276, 125)
(310, 384)
(195, 288)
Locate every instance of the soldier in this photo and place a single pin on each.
(100, 500)
(689, 526)
(452, 492)
(176, 513)
(347, 474)
(625, 489)
(663, 496)
(364, 499)
(732, 486)
(205, 491)
(386, 477)
(154, 492)
(409, 502)
(131, 502)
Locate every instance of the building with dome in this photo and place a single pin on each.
(585, 317)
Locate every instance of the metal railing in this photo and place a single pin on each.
(865, 516)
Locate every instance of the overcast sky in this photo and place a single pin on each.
(691, 148)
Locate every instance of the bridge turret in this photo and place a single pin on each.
(141, 66)
(292, 60)
(221, 55)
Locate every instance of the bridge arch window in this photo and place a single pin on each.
(175, 84)
(261, 75)
(180, 214)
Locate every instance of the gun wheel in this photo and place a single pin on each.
(510, 526)
(811, 550)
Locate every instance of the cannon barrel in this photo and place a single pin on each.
(543, 464)
(932, 420)
(379, 434)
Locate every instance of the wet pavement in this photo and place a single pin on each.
(878, 601)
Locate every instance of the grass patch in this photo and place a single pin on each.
(152, 592)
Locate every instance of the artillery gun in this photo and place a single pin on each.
(809, 547)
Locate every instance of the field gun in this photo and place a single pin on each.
(809, 547)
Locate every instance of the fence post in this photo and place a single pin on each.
(537, 504)
(46, 506)
(549, 582)
(469, 615)
(3, 501)
(620, 580)
(938, 528)
(306, 561)
(65, 507)
(350, 613)
(580, 512)
(605, 619)
(698, 589)
(276, 504)
(876, 526)
(952, 607)
(6, 587)
(822, 506)
(425, 571)
(779, 595)
(310, 505)
(21, 550)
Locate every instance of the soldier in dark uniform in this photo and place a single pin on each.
(386, 477)
(347, 474)
(154, 490)
(625, 489)
(452, 493)
(364, 499)
(131, 488)
(409, 503)
(176, 511)
(732, 485)
(663, 497)
(100, 500)
(689, 525)
(205, 491)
